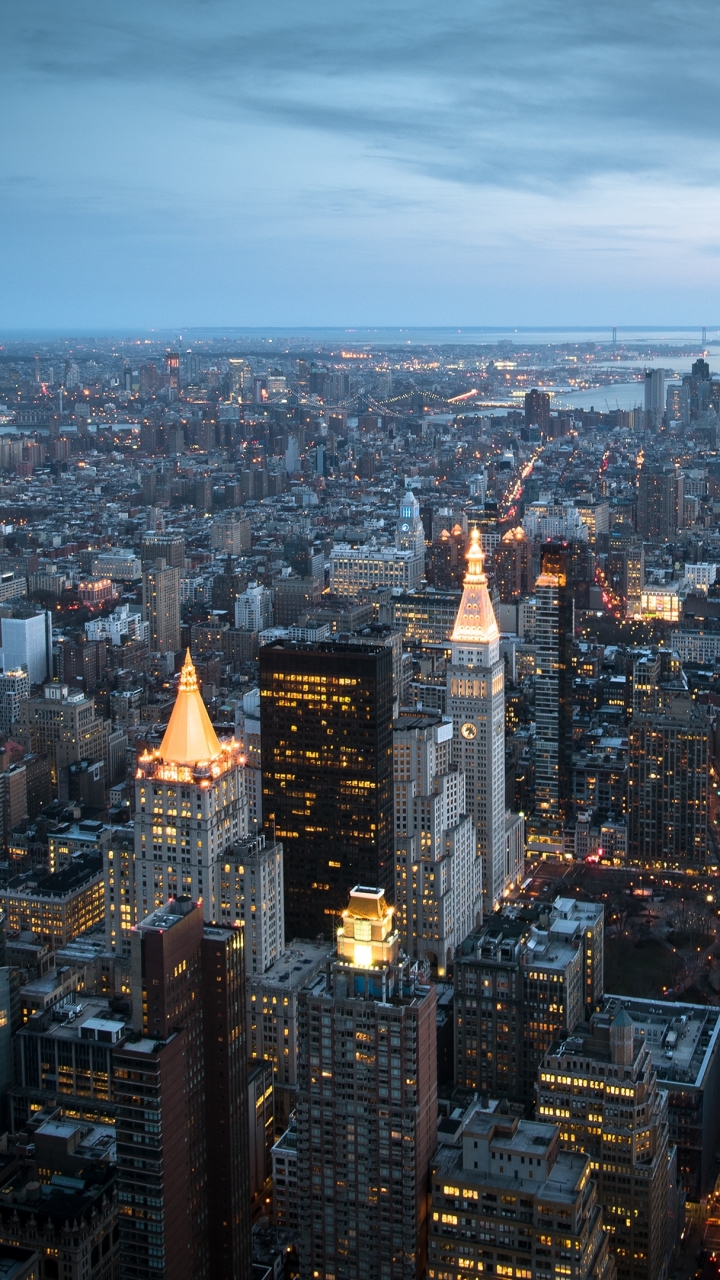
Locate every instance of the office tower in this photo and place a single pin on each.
(236, 369)
(356, 570)
(231, 533)
(273, 999)
(438, 875)
(247, 732)
(537, 409)
(254, 608)
(167, 546)
(554, 628)
(294, 596)
(654, 396)
(161, 606)
(326, 717)
(602, 1082)
(506, 1199)
(27, 642)
(476, 704)
(409, 533)
(669, 784)
(181, 1086)
(660, 502)
(64, 726)
(251, 894)
(518, 984)
(226, 588)
(14, 690)
(513, 565)
(172, 371)
(634, 577)
(190, 807)
(366, 1105)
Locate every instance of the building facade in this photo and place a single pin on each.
(326, 718)
(476, 706)
(366, 1106)
(554, 628)
(438, 880)
(602, 1090)
(190, 807)
(508, 1200)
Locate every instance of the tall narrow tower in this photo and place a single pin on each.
(410, 535)
(190, 806)
(476, 702)
(555, 623)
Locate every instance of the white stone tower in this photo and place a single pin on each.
(476, 702)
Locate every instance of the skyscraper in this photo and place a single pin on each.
(654, 396)
(476, 704)
(554, 627)
(326, 716)
(602, 1082)
(182, 1136)
(513, 565)
(161, 606)
(659, 502)
(190, 807)
(366, 1105)
(518, 985)
(438, 880)
(669, 784)
(537, 409)
(27, 642)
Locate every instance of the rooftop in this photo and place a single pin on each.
(293, 968)
(682, 1038)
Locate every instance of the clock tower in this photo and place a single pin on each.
(476, 702)
(409, 534)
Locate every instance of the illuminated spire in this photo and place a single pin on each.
(189, 737)
(475, 622)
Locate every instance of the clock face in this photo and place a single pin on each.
(405, 528)
(469, 731)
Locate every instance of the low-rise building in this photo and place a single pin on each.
(59, 905)
(64, 1057)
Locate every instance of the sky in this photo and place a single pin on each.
(178, 163)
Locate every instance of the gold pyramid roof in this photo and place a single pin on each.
(475, 622)
(189, 737)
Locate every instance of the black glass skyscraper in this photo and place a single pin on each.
(326, 731)
(555, 619)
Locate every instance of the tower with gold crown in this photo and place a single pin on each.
(476, 702)
(190, 806)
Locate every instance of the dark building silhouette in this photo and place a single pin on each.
(182, 1126)
(326, 716)
(554, 627)
(537, 409)
(660, 503)
(513, 563)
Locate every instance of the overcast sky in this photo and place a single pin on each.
(207, 162)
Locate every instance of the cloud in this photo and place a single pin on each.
(540, 94)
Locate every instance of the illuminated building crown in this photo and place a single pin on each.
(189, 738)
(367, 938)
(475, 622)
